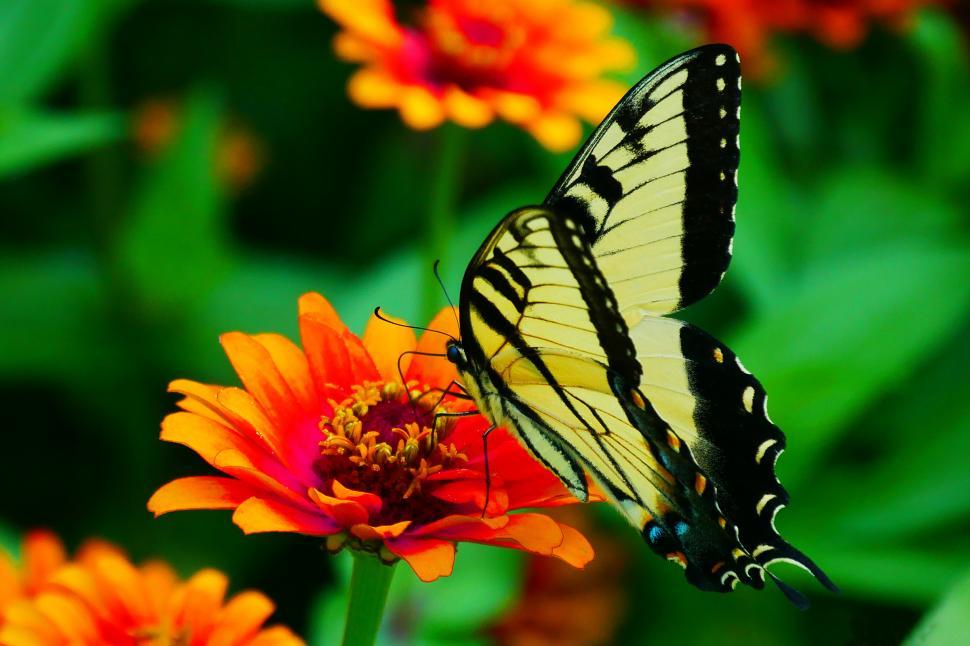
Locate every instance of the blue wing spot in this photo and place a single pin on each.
(655, 534)
(681, 528)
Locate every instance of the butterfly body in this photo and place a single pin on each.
(563, 341)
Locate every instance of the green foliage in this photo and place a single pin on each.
(847, 296)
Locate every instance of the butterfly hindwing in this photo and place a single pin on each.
(546, 337)
(656, 183)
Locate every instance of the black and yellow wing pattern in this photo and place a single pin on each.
(563, 339)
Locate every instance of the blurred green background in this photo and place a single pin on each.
(170, 170)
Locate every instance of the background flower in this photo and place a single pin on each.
(536, 64)
(99, 597)
(749, 25)
(325, 441)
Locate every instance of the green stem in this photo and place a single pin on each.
(442, 203)
(369, 583)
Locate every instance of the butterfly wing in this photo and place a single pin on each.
(656, 183)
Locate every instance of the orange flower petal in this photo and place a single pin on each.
(72, 619)
(160, 583)
(117, 580)
(473, 491)
(276, 636)
(385, 343)
(435, 371)
(380, 532)
(262, 379)
(292, 364)
(315, 304)
(242, 616)
(258, 515)
(43, 553)
(373, 89)
(371, 502)
(574, 549)
(199, 492)
(9, 580)
(209, 440)
(466, 110)
(199, 398)
(336, 359)
(25, 625)
(345, 512)
(419, 108)
(430, 558)
(370, 19)
(558, 132)
(204, 593)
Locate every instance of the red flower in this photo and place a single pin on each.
(101, 598)
(324, 441)
(535, 64)
(749, 24)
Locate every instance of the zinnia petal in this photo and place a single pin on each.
(199, 492)
(430, 558)
(258, 515)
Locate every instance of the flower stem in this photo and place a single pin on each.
(442, 203)
(369, 583)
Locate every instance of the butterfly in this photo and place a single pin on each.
(564, 340)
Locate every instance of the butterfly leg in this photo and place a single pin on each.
(488, 473)
(434, 422)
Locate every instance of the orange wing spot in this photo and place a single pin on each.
(716, 567)
(722, 521)
(637, 399)
(673, 440)
(700, 484)
(718, 355)
(678, 557)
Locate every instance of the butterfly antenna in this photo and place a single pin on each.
(378, 314)
(443, 289)
(400, 373)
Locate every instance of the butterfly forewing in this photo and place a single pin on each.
(655, 185)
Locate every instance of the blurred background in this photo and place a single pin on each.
(170, 170)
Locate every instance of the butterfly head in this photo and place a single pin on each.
(456, 354)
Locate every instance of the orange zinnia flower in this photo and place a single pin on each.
(749, 24)
(325, 441)
(101, 598)
(535, 64)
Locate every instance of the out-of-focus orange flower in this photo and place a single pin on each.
(41, 555)
(101, 598)
(538, 64)
(239, 154)
(560, 606)
(748, 25)
(325, 441)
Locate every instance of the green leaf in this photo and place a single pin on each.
(949, 622)
(898, 575)
(768, 207)
(943, 132)
(51, 315)
(173, 246)
(38, 38)
(32, 138)
(853, 327)
(859, 208)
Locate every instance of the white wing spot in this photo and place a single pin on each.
(764, 407)
(737, 360)
(723, 113)
(748, 398)
(765, 499)
(720, 60)
(723, 143)
(718, 355)
(720, 85)
(577, 241)
(762, 449)
(723, 176)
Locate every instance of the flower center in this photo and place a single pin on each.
(381, 441)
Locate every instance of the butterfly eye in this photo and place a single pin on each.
(453, 353)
